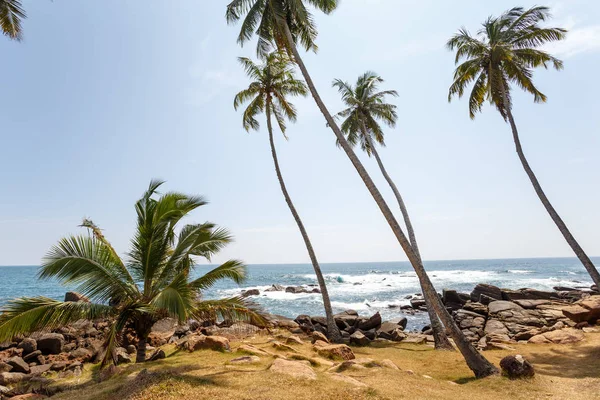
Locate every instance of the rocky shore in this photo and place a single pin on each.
(491, 317)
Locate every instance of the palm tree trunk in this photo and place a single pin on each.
(440, 338)
(480, 366)
(562, 227)
(141, 350)
(332, 329)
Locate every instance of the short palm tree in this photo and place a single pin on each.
(154, 282)
(285, 23)
(505, 52)
(365, 106)
(11, 14)
(272, 84)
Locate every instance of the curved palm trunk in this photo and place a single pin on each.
(562, 227)
(480, 366)
(439, 335)
(332, 329)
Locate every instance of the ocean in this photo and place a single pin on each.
(364, 287)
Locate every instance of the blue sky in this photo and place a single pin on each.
(100, 97)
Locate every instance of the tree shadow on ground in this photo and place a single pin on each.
(574, 362)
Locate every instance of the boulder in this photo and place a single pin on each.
(51, 343)
(576, 313)
(76, 297)
(37, 370)
(417, 303)
(295, 289)
(346, 318)
(275, 288)
(250, 292)
(249, 349)
(280, 321)
(387, 328)
(4, 367)
(318, 336)
(4, 391)
(217, 343)
(398, 335)
(359, 339)
(482, 293)
(563, 336)
(17, 364)
(10, 378)
(82, 354)
(158, 354)
(347, 379)
(374, 322)
(123, 357)
(295, 369)
(477, 308)
(415, 339)
(516, 367)
(319, 320)
(454, 300)
(294, 340)
(28, 345)
(531, 294)
(334, 351)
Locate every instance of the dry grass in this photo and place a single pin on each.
(567, 371)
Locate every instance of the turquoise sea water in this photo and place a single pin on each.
(365, 287)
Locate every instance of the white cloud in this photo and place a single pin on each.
(579, 40)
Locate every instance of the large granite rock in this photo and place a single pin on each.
(28, 345)
(17, 364)
(483, 293)
(334, 351)
(295, 369)
(562, 336)
(374, 322)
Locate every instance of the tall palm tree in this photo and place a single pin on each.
(505, 52)
(365, 105)
(153, 283)
(11, 14)
(283, 24)
(268, 92)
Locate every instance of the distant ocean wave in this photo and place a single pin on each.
(365, 287)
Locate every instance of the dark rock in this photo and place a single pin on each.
(425, 328)
(417, 302)
(33, 356)
(28, 345)
(319, 320)
(51, 343)
(388, 327)
(516, 367)
(76, 297)
(359, 339)
(489, 291)
(275, 288)
(81, 354)
(371, 334)
(17, 364)
(564, 289)
(157, 355)
(348, 317)
(528, 294)
(295, 289)
(40, 369)
(250, 292)
(123, 356)
(372, 323)
(476, 308)
(454, 300)
(318, 336)
(315, 290)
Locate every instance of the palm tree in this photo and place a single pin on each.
(271, 84)
(284, 23)
(153, 283)
(11, 14)
(365, 104)
(505, 52)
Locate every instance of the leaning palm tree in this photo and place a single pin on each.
(505, 52)
(365, 105)
(268, 92)
(154, 282)
(285, 23)
(11, 14)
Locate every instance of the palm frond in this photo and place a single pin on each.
(11, 14)
(234, 309)
(232, 269)
(30, 314)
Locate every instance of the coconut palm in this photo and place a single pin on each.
(285, 23)
(504, 53)
(11, 14)
(272, 84)
(365, 105)
(152, 283)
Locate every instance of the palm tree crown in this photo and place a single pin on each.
(266, 18)
(153, 283)
(11, 14)
(505, 51)
(365, 106)
(272, 82)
